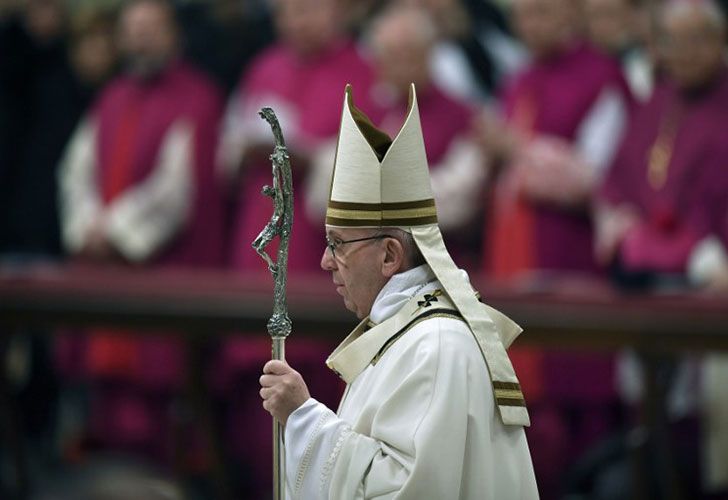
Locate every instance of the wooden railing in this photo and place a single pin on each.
(557, 311)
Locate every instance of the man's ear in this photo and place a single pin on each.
(394, 257)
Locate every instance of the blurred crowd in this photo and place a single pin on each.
(579, 137)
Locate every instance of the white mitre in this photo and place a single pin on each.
(379, 182)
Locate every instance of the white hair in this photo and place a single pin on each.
(411, 250)
(708, 8)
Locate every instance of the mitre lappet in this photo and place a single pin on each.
(380, 182)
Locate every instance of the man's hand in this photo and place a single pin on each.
(612, 224)
(718, 281)
(96, 245)
(282, 389)
(498, 140)
(553, 172)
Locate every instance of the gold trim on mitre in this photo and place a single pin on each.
(377, 181)
(381, 214)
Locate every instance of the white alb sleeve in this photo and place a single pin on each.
(457, 183)
(79, 201)
(146, 217)
(601, 131)
(312, 433)
(708, 257)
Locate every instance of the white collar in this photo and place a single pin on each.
(399, 289)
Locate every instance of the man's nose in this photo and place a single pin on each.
(328, 263)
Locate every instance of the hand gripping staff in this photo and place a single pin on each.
(280, 224)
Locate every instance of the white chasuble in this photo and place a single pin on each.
(418, 419)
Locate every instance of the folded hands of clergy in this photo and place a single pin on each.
(543, 169)
(718, 282)
(97, 247)
(283, 389)
(550, 171)
(499, 141)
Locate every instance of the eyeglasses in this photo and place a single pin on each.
(333, 245)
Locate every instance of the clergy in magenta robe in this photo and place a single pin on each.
(663, 208)
(666, 189)
(563, 115)
(138, 186)
(141, 165)
(299, 87)
(669, 176)
(570, 109)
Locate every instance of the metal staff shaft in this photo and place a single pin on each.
(279, 447)
(279, 225)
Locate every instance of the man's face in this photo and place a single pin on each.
(94, 55)
(610, 23)
(307, 26)
(147, 38)
(357, 268)
(543, 25)
(44, 19)
(401, 54)
(691, 47)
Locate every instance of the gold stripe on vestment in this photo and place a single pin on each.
(515, 386)
(510, 402)
(434, 313)
(505, 393)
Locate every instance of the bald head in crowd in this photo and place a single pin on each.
(401, 39)
(692, 42)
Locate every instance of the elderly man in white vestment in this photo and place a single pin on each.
(432, 408)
